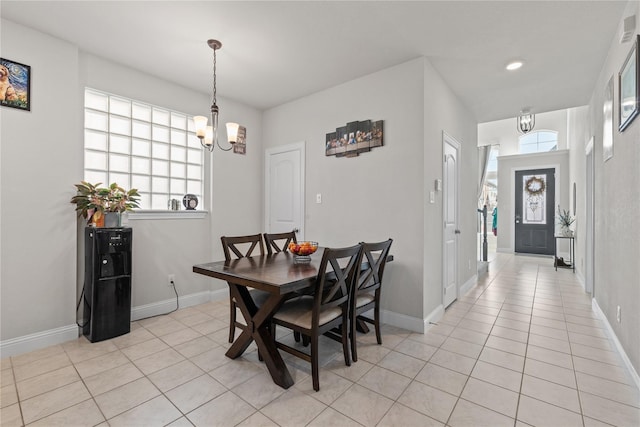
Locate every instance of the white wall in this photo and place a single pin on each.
(617, 204)
(41, 299)
(381, 193)
(40, 159)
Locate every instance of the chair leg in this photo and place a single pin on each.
(354, 352)
(376, 319)
(345, 340)
(305, 341)
(314, 362)
(232, 320)
(296, 336)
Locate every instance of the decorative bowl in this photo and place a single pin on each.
(302, 250)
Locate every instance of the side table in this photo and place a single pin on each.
(572, 255)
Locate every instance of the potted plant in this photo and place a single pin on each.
(95, 203)
(565, 220)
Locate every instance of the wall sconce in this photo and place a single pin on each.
(526, 122)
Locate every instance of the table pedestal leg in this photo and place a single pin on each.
(258, 330)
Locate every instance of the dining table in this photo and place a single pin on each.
(280, 275)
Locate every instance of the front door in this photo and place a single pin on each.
(284, 189)
(534, 211)
(450, 214)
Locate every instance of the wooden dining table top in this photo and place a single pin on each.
(277, 273)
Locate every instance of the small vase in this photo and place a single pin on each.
(112, 219)
(567, 232)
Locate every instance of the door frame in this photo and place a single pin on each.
(296, 146)
(512, 189)
(589, 256)
(449, 140)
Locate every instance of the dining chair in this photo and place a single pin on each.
(279, 242)
(366, 294)
(328, 307)
(240, 247)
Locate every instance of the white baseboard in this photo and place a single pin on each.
(505, 250)
(466, 287)
(432, 318)
(38, 340)
(220, 294)
(581, 280)
(162, 307)
(616, 342)
(27, 343)
(402, 321)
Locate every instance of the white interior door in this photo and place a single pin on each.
(284, 189)
(450, 215)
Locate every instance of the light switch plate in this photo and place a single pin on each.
(438, 185)
(319, 198)
(432, 197)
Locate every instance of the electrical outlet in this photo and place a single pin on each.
(319, 198)
(171, 280)
(618, 314)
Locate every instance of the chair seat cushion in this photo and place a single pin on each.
(298, 311)
(364, 299)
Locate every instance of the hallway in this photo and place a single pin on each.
(522, 348)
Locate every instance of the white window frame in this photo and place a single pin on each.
(538, 142)
(129, 134)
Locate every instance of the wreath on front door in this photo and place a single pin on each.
(534, 186)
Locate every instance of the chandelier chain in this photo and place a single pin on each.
(214, 75)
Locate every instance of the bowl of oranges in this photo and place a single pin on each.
(302, 250)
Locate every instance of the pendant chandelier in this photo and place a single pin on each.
(526, 122)
(208, 135)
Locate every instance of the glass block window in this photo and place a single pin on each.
(141, 146)
(538, 142)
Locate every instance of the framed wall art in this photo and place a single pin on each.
(607, 122)
(354, 138)
(628, 81)
(240, 147)
(15, 85)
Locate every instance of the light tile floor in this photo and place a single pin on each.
(522, 348)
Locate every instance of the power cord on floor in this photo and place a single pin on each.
(173, 285)
(168, 312)
(78, 307)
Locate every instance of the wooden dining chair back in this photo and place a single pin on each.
(240, 247)
(279, 242)
(328, 307)
(366, 294)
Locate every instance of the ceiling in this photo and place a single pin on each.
(275, 52)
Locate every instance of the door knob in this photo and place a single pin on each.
(457, 231)
(295, 230)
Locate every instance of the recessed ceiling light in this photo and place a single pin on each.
(514, 65)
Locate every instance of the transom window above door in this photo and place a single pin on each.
(538, 142)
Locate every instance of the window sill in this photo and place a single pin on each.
(154, 214)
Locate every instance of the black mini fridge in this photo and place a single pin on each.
(107, 282)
